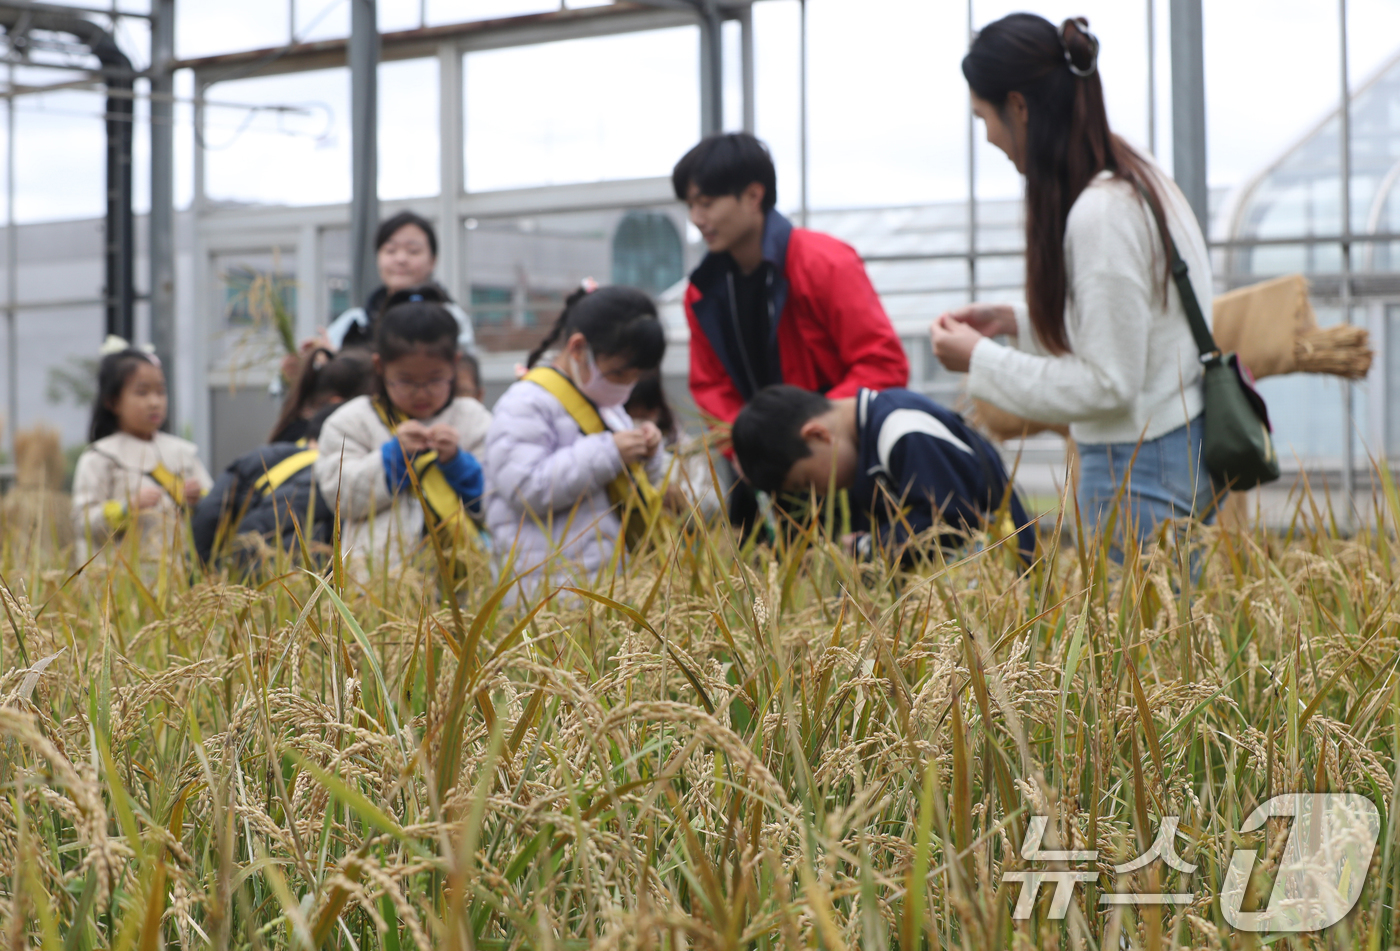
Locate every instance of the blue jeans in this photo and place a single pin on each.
(1168, 480)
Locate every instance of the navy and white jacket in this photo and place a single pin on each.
(920, 463)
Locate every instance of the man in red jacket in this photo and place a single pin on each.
(771, 303)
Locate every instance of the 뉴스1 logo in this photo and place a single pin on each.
(1322, 866)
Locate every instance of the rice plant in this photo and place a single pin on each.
(714, 747)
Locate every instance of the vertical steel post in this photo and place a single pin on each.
(746, 64)
(1189, 108)
(1151, 77)
(1348, 390)
(160, 241)
(711, 68)
(450, 175)
(802, 101)
(971, 181)
(364, 135)
(200, 197)
(11, 269)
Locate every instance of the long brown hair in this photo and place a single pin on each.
(1068, 142)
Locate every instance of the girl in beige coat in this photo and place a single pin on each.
(412, 421)
(133, 477)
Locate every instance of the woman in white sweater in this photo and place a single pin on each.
(1103, 342)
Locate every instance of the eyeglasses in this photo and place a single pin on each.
(431, 386)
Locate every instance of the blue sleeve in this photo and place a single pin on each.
(395, 466)
(464, 474)
(917, 467)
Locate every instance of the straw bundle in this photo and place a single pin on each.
(1342, 350)
(1270, 325)
(35, 512)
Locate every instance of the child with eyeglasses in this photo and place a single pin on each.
(398, 464)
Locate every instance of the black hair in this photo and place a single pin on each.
(726, 164)
(318, 419)
(650, 394)
(614, 320)
(470, 361)
(1068, 143)
(415, 319)
(112, 375)
(324, 376)
(767, 435)
(389, 226)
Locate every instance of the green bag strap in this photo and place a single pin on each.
(1205, 341)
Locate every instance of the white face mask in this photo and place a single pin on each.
(604, 393)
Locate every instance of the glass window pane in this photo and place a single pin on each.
(309, 148)
(569, 111)
(301, 128)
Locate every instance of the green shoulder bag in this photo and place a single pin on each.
(1238, 445)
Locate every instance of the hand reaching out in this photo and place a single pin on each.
(414, 437)
(653, 437)
(953, 342)
(193, 490)
(632, 445)
(989, 320)
(445, 440)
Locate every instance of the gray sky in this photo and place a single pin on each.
(887, 101)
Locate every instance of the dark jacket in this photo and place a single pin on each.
(355, 327)
(920, 463)
(828, 331)
(244, 499)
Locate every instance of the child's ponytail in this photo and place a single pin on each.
(559, 325)
(614, 320)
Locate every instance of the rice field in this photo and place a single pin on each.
(713, 748)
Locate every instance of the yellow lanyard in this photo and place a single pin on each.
(169, 481)
(633, 477)
(445, 509)
(273, 478)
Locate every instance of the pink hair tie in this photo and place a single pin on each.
(589, 285)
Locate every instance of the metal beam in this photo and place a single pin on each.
(746, 64)
(476, 35)
(1189, 108)
(451, 169)
(364, 136)
(161, 224)
(711, 68)
(1348, 390)
(30, 7)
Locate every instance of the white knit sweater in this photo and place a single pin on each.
(1133, 370)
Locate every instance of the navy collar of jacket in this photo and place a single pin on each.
(716, 303)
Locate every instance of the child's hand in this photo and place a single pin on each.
(653, 437)
(445, 440)
(413, 437)
(675, 499)
(852, 543)
(193, 490)
(148, 497)
(632, 445)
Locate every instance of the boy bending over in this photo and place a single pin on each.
(908, 463)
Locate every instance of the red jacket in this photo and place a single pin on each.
(832, 334)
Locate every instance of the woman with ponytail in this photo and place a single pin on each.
(560, 438)
(1102, 342)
